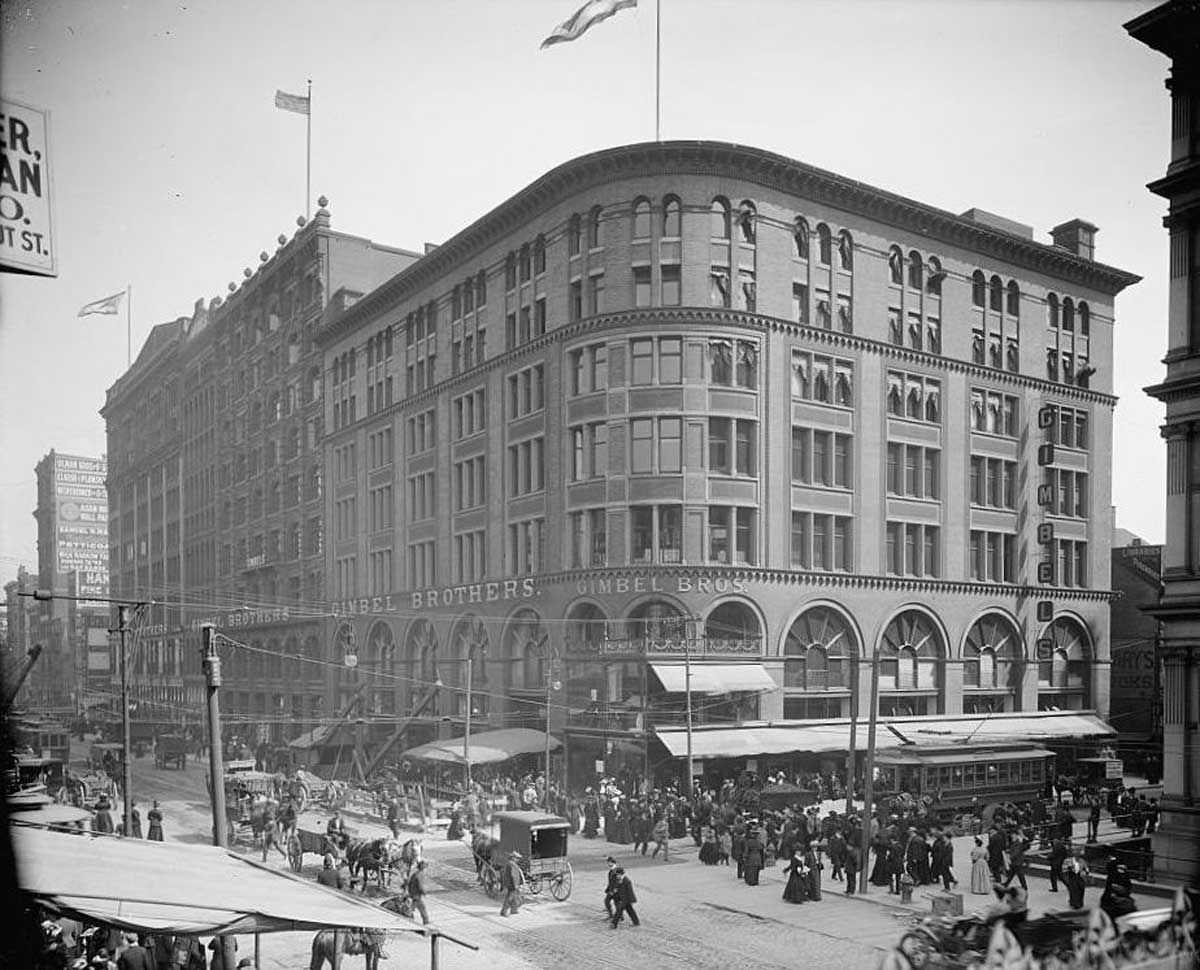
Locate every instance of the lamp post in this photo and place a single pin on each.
(467, 732)
(687, 693)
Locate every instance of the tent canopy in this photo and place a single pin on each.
(708, 678)
(748, 741)
(486, 747)
(169, 887)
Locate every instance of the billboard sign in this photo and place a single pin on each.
(81, 522)
(26, 233)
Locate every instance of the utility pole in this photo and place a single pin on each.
(549, 687)
(869, 775)
(216, 768)
(687, 691)
(126, 754)
(467, 733)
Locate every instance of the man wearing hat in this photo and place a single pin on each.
(625, 898)
(610, 888)
(331, 876)
(136, 956)
(511, 878)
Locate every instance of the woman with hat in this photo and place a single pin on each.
(796, 890)
(753, 861)
(103, 822)
(155, 833)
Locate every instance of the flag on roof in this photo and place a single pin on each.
(291, 102)
(590, 13)
(109, 305)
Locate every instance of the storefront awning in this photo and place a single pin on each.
(486, 747)
(165, 886)
(751, 740)
(713, 678)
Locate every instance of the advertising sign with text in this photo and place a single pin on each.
(26, 215)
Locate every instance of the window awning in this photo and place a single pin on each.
(751, 740)
(714, 678)
(486, 747)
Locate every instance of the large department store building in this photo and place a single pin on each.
(692, 404)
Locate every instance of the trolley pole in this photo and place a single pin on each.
(869, 776)
(549, 685)
(687, 691)
(126, 754)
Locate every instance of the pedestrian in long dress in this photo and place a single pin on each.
(103, 823)
(155, 834)
(135, 821)
(853, 856)
(753, 862)
(812, 863)
(796, 890)
(981, 875)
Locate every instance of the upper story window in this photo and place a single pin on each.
(845, 251)
(645, 434)
(895, 266)
(470, 414)
(732, 447)
(800, 239)
(827, 380)
(978, 289)
(510, 271)
(481, 289)
(526, 391)
(933, 283)
(588, 368)
(916, 271)
(1012, 301)
(733, 362)
(994, 413)
(914, 396)
(656, 360)
(996, 294)
(574, 235)
(671, 217)
(524, 264)
(539, 256)
(1069, 427)
(824, 245)
(719, 219)
(595, 229)
(641, 218)
(747, 222)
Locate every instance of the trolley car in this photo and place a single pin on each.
(541, 841)
(954, 778)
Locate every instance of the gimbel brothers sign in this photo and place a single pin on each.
(26, 233)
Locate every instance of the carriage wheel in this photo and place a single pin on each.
(560, 885)
(491, 881)
(534, 883)
(918, 948)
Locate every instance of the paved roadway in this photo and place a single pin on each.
(693, 916)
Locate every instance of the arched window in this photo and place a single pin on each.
(896, 265)
(719, 219)
(911, 654)
(936, 274)
(1013, 302)
(670, 218)
(747, 221)
(1052, 311)
(1085, 319)
(978, 289)
(846, 250)
(992, 654)
(587, 626)
(800, 238)
(380, 658)
(732, 625)
(1064, 655)
(524, 263)
(510, 271)
(539, 256)
(1068, 314)
(641, 218)
(824, 245)
(996, 289)
(916, 271)
(820, 652)
(469, 641)
(656, 620)
(421, 657)
(595, 229)
(527, 647)
(574, 235)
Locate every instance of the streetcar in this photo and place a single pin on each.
(45, 737)
(964, 777)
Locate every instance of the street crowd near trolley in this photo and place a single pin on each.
(1018, 823)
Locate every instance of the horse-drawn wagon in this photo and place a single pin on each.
(540, 843)
(171, 751)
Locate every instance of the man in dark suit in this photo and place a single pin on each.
(1058, 855)
(610, 888)
(625, 899)
(997, 843)
(942, 861)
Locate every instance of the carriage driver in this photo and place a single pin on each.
(332, 876)
(336, 830)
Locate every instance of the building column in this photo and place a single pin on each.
(1177, 840)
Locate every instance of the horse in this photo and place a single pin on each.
(482, 846)
(329, 946)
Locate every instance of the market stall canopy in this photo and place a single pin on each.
(713, 678)
(750, 740)
(168, 887)
(45, 812)
(486, 747)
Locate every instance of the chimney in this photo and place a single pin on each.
(1077, 236)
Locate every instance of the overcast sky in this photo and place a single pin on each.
(172, 169)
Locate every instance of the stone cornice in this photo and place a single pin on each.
(734, 161)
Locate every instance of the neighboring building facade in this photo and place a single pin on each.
(72, 519)
(694, 395)
(1135, 708)
(1174, 30)
(216, 482)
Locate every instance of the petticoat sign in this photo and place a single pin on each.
(26, 233)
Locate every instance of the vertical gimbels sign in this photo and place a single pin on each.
(26, 234)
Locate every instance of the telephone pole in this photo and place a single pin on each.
(126, 754)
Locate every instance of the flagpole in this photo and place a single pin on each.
(308, 158)
(658, 70)
(128, 325)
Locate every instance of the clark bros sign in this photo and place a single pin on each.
(449, 597)
(26, 234)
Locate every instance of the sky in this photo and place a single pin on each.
(172, 169)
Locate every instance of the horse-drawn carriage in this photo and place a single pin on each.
(171, 751)
(960, 941)
(304, 841)
(540, 842)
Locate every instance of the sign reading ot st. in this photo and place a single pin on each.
(26, 233)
